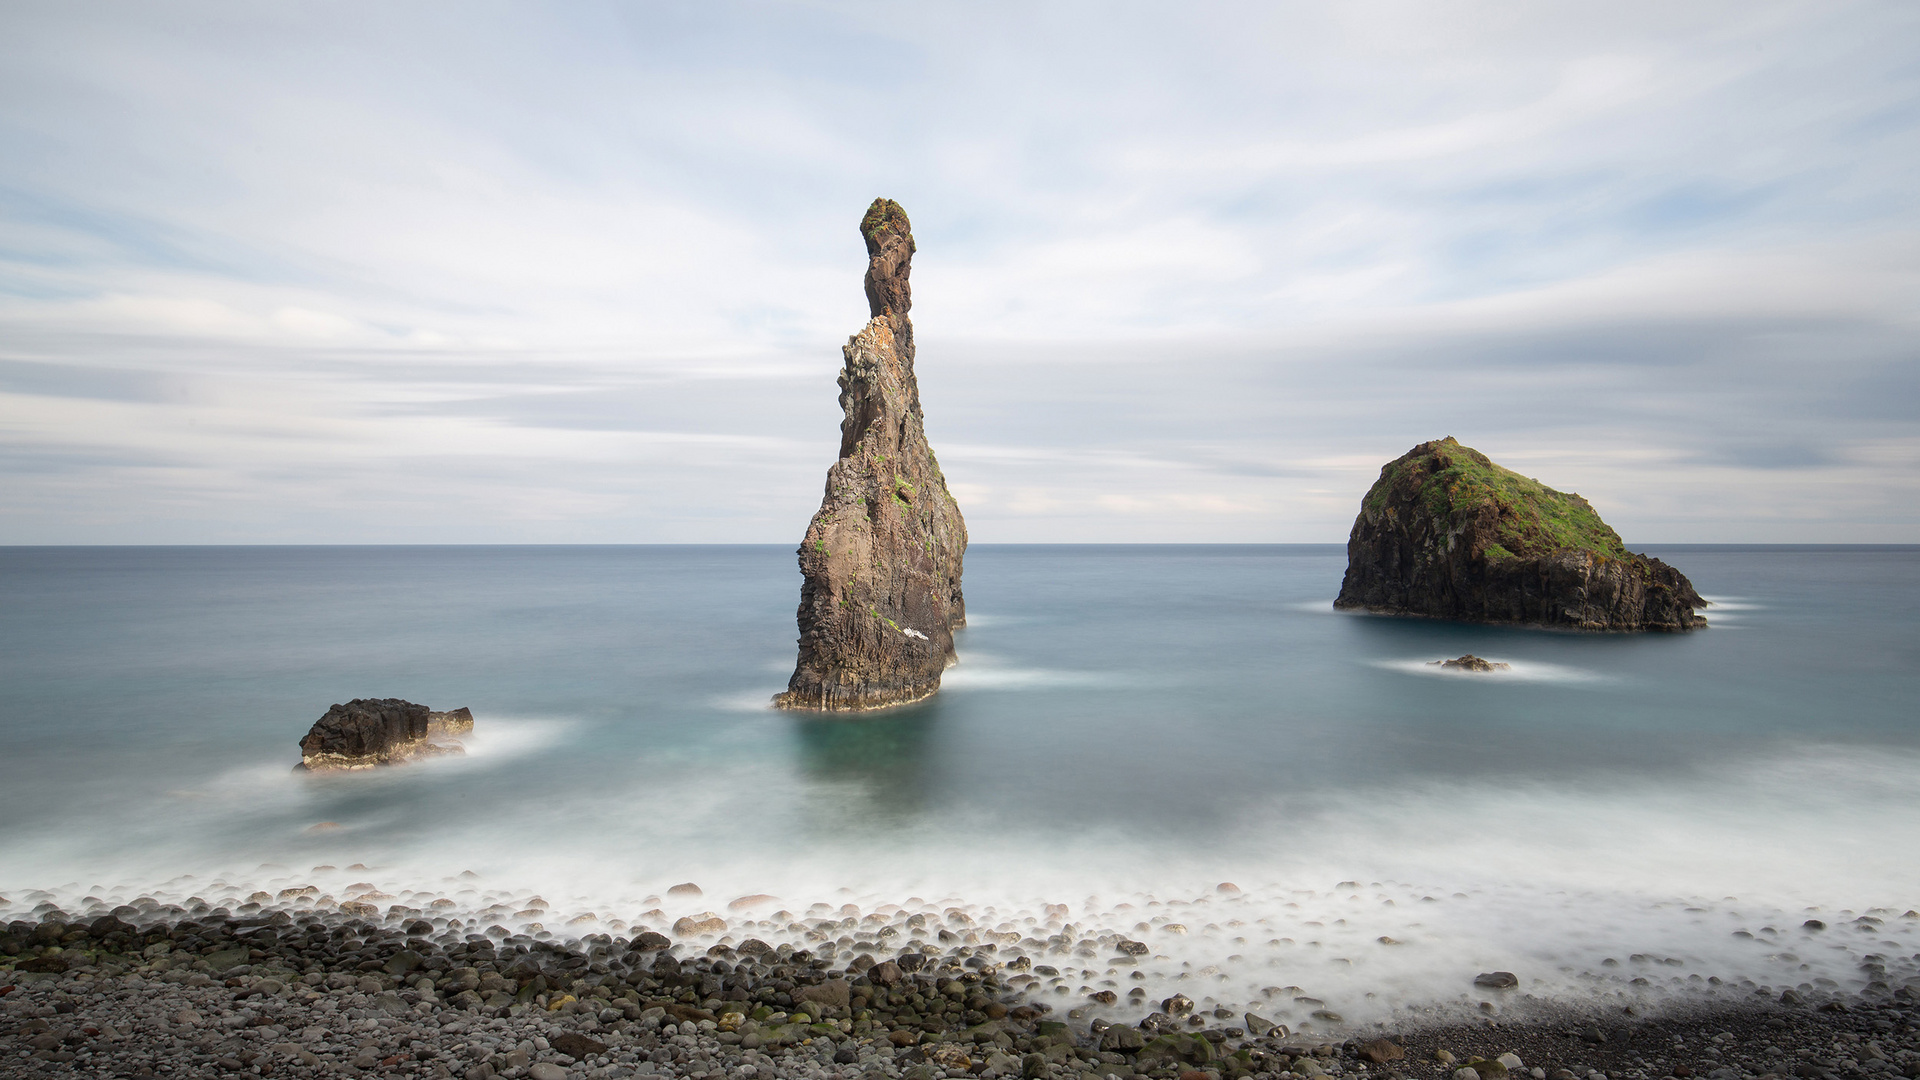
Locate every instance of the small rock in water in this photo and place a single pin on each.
(687, 888)
(1496, 980)
(1470, 662)
(366, 732)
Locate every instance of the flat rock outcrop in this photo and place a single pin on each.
(1447, 533)
(880, 595)
(366, 732)
(1470, 662)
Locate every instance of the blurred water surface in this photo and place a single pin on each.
(1125, 722)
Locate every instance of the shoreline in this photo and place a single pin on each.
(333, 993)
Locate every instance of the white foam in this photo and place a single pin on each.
(1320, 607)
(747, 701)
(983, 671)
(1549, 882)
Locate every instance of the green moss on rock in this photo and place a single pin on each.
(1455, 482)
(1444, 532)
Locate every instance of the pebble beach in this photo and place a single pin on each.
(166, 990)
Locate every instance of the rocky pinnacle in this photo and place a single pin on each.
(880, 596)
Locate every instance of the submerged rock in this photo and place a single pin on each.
(1471, 662)
(881, 560)
(381, 731)
(1447, 533)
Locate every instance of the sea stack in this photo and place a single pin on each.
(366, 732)
(1447, 533)
(880, 595)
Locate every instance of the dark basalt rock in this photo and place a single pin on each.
(1471, 662)
(881, 560)
(381, 731)
(1447, 533)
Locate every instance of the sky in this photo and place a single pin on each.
(580, 273)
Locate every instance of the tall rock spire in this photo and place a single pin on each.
(880, 595)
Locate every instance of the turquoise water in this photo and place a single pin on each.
(1128, 725)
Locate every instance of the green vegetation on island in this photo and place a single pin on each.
(1458, 482)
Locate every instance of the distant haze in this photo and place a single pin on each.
(450, 273)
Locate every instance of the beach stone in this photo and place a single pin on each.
(834, 993)
(1122, 1039)
(228, 958)
(43, 965)
(546, 1070)
(649, 941)
(949, 1056)
(575, 1045)
(402, 962)
(1496, 980)
(1512, 1061)
(706, 922)
(1465, 1073)
(1381, 1051)
(1177, 1005)
(885, 973)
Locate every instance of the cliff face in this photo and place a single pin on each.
(1447, 533)
(881, 560)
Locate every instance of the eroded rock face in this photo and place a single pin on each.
(366, 732)
(881, 560)
(1447, 533)
(1471, 662)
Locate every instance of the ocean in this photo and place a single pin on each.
(1183, 744)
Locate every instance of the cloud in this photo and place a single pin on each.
(366, 273)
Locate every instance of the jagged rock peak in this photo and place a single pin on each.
(889, 237)
(1447, 533)
(880, 566)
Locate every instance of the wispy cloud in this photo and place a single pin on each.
(369, 273)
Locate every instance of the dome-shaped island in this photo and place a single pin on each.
(1448, 534)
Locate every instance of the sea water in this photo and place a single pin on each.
(1184, 745)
